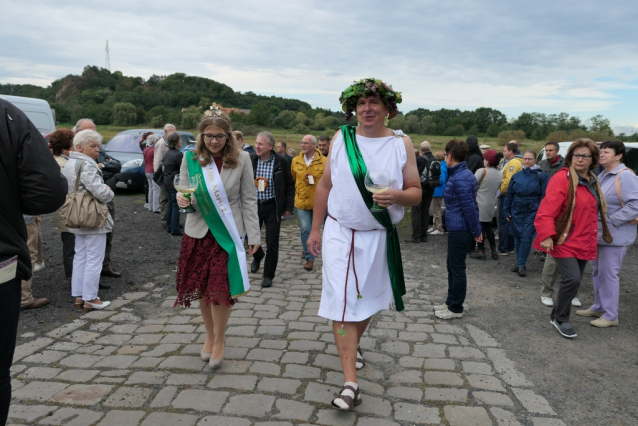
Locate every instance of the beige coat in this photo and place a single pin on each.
(240, 188)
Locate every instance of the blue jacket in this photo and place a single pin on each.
(524, 194)
(438, 191)
(461, 209)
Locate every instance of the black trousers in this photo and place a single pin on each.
(68, 251)
(488, 235)
(457, 243)
(106, 263)
(420, 215)
(268, 216)
(10, 295)
(571, 273)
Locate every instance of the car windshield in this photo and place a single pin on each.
(124, 143)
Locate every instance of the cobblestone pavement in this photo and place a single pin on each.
(138, 364)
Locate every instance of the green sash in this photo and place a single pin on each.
(213, 203)
(358, 167)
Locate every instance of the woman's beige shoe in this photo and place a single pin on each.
(603, 323)
(88, 306)
(205, 356)
(215, 363)
(588, 313)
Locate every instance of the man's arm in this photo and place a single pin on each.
(111, 164)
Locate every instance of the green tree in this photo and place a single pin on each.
(492, 130)
(599, 124)
(124, 114)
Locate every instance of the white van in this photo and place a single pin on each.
(630, 160)
(37, 110)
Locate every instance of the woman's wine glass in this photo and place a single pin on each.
(186, 187)
(377, 182)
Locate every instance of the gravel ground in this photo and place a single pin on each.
(590, 380)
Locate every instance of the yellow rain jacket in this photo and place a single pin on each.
(512, 167)
(304, 191)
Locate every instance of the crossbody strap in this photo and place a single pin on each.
(482, 177)
(618, 189)
(77, 180)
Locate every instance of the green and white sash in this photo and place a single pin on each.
(213, 203)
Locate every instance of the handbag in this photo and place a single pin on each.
(619, 192)
(158, 176)
(81, 209)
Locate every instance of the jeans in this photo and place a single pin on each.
(87, 263)
(9, 315)
(172, 212)
(606, 283)
(305, 224)
(420, 215)
(571, 274)
(457, 244)
(505, 241)
(268, 215)
(523, 247)
(153, 193)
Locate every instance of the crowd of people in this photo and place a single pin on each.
(239, 189)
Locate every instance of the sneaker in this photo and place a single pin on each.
(512, 251)
(430, 229)
(447, 314)
(146, 205)
(565, 329)
(442, 307)
(502, 253)
(437, 232)
(38, 267)
(576, 303)
(603, 323)
(547, 301)
(588, 313)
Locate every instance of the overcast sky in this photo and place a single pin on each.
(579, 57)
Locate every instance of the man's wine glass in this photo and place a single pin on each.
(186, 187)
(377, 182)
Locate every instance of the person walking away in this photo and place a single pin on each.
(463, 226)
(275, 197)
(489, 181)
(31, 184)
(513, 164)
(565, 225)
(430, 171)
(212, 264)
(158, 162)
(361, 248)
(172, 165)
(153, 188)
(524, 194)
(34, 244)
(437, 197)
(307, 169)
(619, 185)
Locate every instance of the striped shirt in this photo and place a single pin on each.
(265, 169)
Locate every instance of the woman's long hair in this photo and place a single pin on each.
(230, 153)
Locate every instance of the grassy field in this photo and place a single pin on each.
(293, 140)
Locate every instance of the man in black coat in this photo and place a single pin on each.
(275, 198)
(109, 166)
(420, 214)
(31, 183)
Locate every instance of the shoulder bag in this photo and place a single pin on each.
(81, 209)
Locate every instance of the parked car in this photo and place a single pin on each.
(631, 155)
(125, 147)
(37, 110)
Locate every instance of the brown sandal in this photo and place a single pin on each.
(79, 303)
(360, 359)
(351, 402)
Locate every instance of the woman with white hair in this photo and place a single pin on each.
(89, 242)
(149, 169)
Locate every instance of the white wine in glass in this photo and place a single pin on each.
(377, 182)
(186, 187)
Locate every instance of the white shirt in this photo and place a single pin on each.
(309, 160)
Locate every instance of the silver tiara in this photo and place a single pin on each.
(215, 112)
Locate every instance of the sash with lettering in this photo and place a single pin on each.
(213, 203)
(359, 170)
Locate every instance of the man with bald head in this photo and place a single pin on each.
(420, 213)
(307, 169)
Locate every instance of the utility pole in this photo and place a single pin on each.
(108, 59)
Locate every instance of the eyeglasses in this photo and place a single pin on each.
(583, 156)
(221, 137)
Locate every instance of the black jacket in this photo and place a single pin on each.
(423, 162)
(284, 184)
(111, 168)
(172, 164)
(30, 183)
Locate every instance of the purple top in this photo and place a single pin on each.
(618, 217)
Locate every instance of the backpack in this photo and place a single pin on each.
(431, 175)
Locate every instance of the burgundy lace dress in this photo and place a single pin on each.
(202, 270)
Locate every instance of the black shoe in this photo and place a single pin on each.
(514, 269)
(178, 234)
(479, 254)
(254, 266)
(110, 273)
(104, 286)
(565, 329)
(521, 271)
(267, 282)
(413, 240)
(494, 255)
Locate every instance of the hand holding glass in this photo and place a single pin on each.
(377, 182)
(186, 187)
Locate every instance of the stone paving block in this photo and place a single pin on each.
(367, 387)
(481, 381)
(327, 361)
(40, 373)
(147, 378)
(274, 330)
(172, 328)
(504, 417)
(369, 421)
(64, 346)
(80, 361)
(122, 418)
(398, 348)
(373, 405)
(235, 353)
(64, 329)
(293, 410)
(295, 358)
(150, 329)
(169, 419)
(242, 330)
(466, 416)
(233, 367)
(533, 402)
(480, 337)
(411, 362)
(407, 376)
(124, 328)
(233, 382)
(115, 373)
(391, 325)
(270, 384)
(78, 375)
(82, 394)
(161, 350)
(543, 421)
(116, 361)
(242, 342)
(72, 417)
(106, 350)
(113, 339)
(493, 398)
(179, 338)
(187, 379)
(109, 380)
(429, 350)
(439, 364)
(304, 335)
(29, 413)
(38, 391)
(320, 393)
(200, 400)
(371, 373)
(334, 417)
(447, 339)
(223, 421)
(145, 339)
(97, 315)
(82, 336)
(465, 353)
(302, 372)
(306, 345)
(146, 362)
(421, 328)
(135, 295)
(183, 363)
(125, 317)
(259, 354)
(404, 392)
(445, 394)
(414, 336)
(45, 357)
(267, 368)
(88, 349)
(506, 368)
(449, 329)
(470, 367)
(128, 397)
(441, 378)
(254, 405)
(100, 326)
(264, 314)
(164, 397)
(131, 350)
(179, 319)
(416, 413)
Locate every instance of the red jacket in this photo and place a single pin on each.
(582, 240)
(149, 152)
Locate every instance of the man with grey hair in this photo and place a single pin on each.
(420, 213)
(158, 161)
(275, 198)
